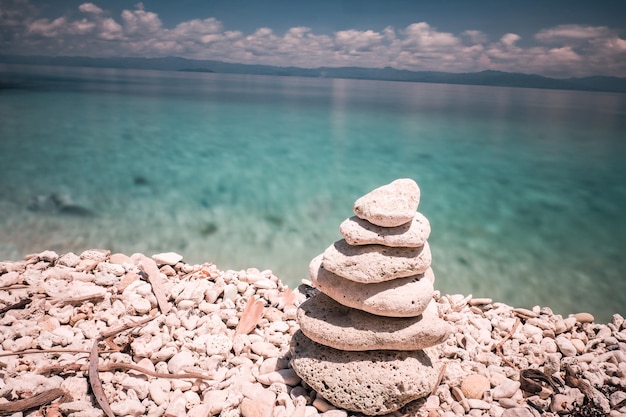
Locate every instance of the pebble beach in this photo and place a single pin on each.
(97, 333)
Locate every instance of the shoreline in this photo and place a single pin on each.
(233, 352)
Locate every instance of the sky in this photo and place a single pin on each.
(557, 38)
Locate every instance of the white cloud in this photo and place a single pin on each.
(566, 50)
(571, 32)
(90, 8)
(47, 28)
(140, 23)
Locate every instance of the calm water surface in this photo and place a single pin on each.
(525, 189)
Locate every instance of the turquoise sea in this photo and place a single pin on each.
(525, 189)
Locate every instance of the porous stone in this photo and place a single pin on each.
(373, 383)
(370, 264)
(401, 297)
(327, 322)
(474, 386)
(357, 231)
(390, 205)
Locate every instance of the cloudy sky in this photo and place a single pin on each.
(559, 38)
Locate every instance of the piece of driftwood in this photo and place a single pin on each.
(442, 371)
(595, 396)
(95, 383)
(38, 400)
(252, 313)
(120, 366)
(150, 268)
(94, 377)
(19, 305)
(503, 341)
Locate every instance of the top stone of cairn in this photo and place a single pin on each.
(391, 205)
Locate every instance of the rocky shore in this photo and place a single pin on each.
(99, 334)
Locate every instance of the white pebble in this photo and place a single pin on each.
(140, 386)
(180, 361)
(565, 346)
(128, 407)
(265, 284)
(506, 389)
(230, 292)
(192, 399)
(283, 376)
(167, 258)
(177, 405)
(478, 404)
(265, 349)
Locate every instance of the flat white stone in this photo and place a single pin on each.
(390, 205)
(400, 297)
(329, 323)
(370, 264)
(167, 258)
(357, 231)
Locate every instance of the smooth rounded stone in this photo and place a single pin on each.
(216, 400)
(177, 406)
(180, 361)
(283, 376)
(261, 406)
(167, 258)
(120, 259)
(329, 323)
(265, 349)
(478, 404)
(391, 205)
(370, 264)
(128, 407)
(584, 317)
(357, 231)
(506, 389)
(373, 383)
(518, 412)
(401, 297)
(75, 406)
(474, 386)
(140, 386)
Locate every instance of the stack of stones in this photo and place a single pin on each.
(362, 336)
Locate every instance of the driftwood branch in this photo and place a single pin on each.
(95, 383)
(503, 341)
(38, 400)
(94, 377)
(19, 305)
(110, 367)
(150, 268)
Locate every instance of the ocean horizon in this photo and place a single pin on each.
(524, 188)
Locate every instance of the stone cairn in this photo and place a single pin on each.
(363, 335)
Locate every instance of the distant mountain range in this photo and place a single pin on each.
(487, 78)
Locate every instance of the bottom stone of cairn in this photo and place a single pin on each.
(370, 382)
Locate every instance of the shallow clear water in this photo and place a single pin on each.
(524, 188)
